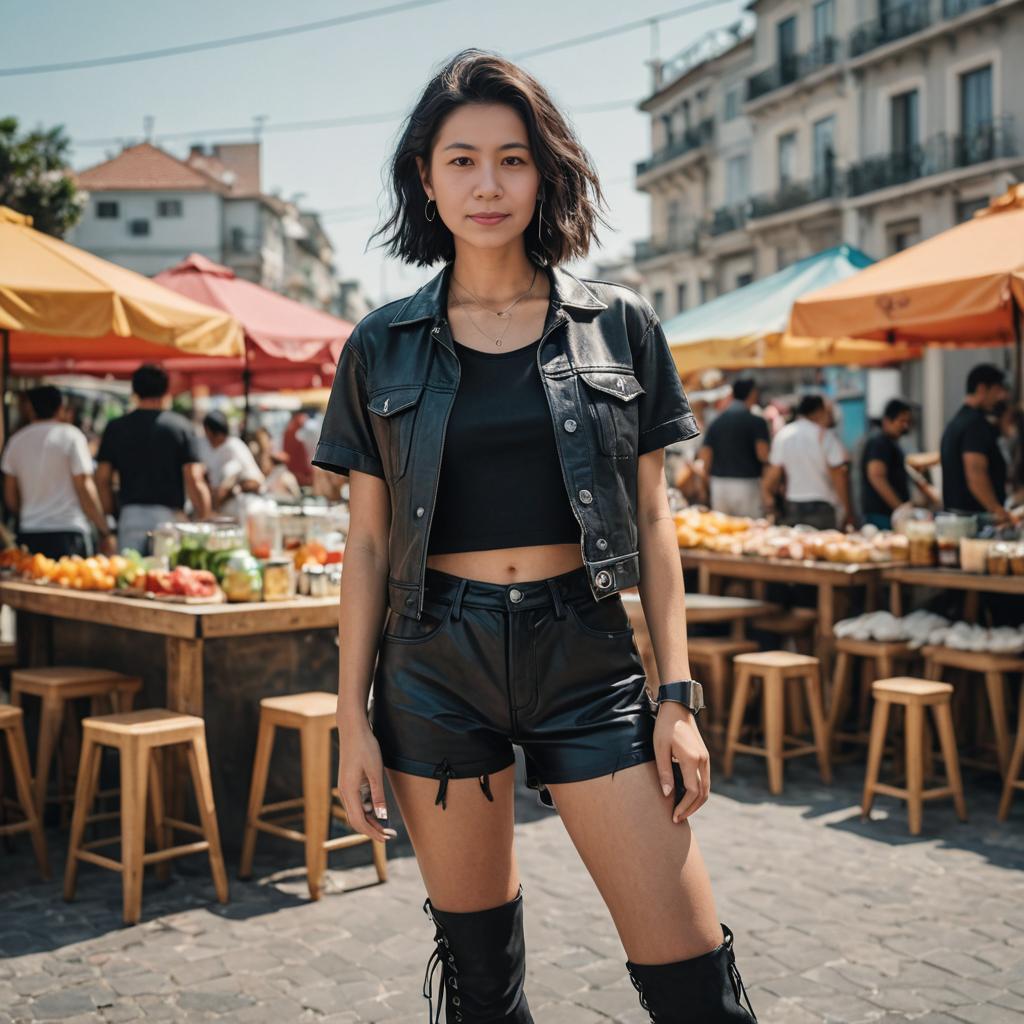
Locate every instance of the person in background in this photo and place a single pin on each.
(973, 467)
(281, 482)
(885, 482)
(1011, 441)
(154, 453)
(735, 453)
(810, 461)
(49, 483)
(298, 451)
(230, 466)
(262, 448)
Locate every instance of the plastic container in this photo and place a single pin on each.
(974, 554)
(950, 529)
(921, 540)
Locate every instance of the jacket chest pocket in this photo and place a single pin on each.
(611, 396)
(394, 411)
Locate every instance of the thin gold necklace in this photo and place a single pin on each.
(505, 314)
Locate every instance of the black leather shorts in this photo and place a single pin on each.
(541, 664)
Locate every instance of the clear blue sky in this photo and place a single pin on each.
(368, 67)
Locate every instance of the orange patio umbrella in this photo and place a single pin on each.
(963, 287)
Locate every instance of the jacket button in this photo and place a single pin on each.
(570, 425)
(602, 544)
(586, 497)
(603, 579)
(419, 512)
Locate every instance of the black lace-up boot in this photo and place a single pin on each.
(704, 989)
(482, 955)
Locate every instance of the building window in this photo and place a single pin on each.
(966, 208)
(737, 180)
(904, 133)
(742, 280)
(680, 298)
(787, 158)
(138, 228)
(732, 104)
(707, 292)
(658, 301)
(107, 209)
(666, 130)
(976, 102)
(823, 133)
(168, 208)
(824, 13)
(902, 235)
(785, 39)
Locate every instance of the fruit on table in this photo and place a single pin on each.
(72, 571)
(312, 553)
(180, 581)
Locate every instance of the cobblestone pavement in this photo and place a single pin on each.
(835, 920)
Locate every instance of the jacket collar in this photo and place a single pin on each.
(428, 301)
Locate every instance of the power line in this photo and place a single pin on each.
(216, 44)
(628, 26)
(315, 125)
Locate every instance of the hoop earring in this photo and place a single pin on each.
(425, 205)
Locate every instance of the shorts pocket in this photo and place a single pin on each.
(606, 619)
(401, 629)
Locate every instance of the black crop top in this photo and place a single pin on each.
(500, 483)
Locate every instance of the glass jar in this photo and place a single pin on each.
(278, 579)
(998, 560)
(242, 578)
(165, 543)
(264, 530)
(921, 542)
(950, 529)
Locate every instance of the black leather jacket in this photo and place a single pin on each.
(611, 385)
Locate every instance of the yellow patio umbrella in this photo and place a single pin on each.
(60, 302)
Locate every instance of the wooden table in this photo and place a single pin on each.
(832, 579)
(701, 609)
(185, 627)
(971, 583)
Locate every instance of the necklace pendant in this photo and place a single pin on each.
(497, 341)
(503, 315)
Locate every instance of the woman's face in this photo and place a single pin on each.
(481, 164)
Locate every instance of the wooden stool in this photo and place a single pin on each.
(776, 668)
(12, 728)
(797, 624)
(313, 714)
(141, 737)
(714, 655)
(879, 662)
(914, 695)
(995, 668)
(1013, 777)
(55, 687)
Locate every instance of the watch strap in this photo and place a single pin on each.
(687, 692)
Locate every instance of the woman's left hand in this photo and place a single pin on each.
(676, 736)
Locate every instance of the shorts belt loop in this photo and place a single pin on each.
(556, 599)
(457, 600)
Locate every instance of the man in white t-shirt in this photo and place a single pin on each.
(49, 483)
(811, 459)
(230, 467)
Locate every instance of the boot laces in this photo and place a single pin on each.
(442, 957)
(644, 1001)
(734, 976)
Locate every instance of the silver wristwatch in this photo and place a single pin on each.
(687, 692)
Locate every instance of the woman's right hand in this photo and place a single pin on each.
(361, 775)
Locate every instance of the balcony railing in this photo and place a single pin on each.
(793, 194)
(792, 67)
(895, 23)
(992, 140)
(691, 139)
(954, 8)
(728, 218)
(684, 239)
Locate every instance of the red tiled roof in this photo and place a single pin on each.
(147, 167)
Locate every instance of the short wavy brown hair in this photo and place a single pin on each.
(572, 192)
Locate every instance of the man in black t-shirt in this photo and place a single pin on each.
(155, 455)
(885, 484)
(973, 467)
(735, 453)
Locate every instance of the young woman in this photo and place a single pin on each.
(503, 432)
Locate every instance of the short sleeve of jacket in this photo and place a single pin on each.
(665, 414)
(346, 437)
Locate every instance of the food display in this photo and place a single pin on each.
(278, 579)
(733, 535)
(71, 571)
(181, 582)
(950, 529)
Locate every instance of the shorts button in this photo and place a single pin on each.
(603, 579)
(419, 512)
(602, 544)
(586, 497)
(515, 596)
(570, 425)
